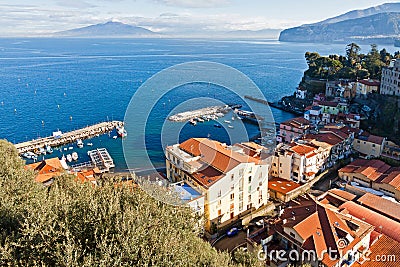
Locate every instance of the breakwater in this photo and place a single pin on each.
(59, 138)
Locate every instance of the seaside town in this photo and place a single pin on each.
(330, 188)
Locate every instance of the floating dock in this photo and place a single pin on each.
(101, 159)
(188, 115)
(59, 138)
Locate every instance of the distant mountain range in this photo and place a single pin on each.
(108, 29)
(118, 29)
(380, 24)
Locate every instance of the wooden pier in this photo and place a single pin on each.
(60, 139)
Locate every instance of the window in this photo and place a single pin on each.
(292, 235)
(219, 193)
(232, 207)
(249, 179)
(280, 164)
(249, 198)
(232, 196)
(232, 177)
(219, 202)
(219, 213)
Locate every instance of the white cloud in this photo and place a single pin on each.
(195, 3)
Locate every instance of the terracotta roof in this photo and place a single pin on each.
(215, 153)
(322, 228)
(370, 82)
(328, 103)
(384, 246)
(86, 176)
(302, 149)
(381, 205)
(382, 223)
(282, 186)
(365, 136)
(46, 169)
(393, 178)
(372, 169)
(207, 176)
(296, 122)
(328, 138)
(343, 194)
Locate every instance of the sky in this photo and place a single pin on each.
(39, 17)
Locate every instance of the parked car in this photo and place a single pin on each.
(232, 232)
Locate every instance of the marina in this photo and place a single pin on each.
(39, 146)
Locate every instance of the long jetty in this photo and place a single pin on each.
(68, 137)
(188, 115)
(275, 105)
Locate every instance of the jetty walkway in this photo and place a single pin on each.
(188, 115)
(59, 139)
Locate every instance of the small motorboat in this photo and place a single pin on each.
(200, 120)
(42, 151)
(79, 143)
(89, 144)
(226, 121)
(193, 122)
(74, 156)
(217, 125)
(70, 148)
(69, 158)
(230, 126)
(49, 149)
(115, 137)
(65, 149)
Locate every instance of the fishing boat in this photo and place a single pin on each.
(42, 151)
(49, 149)
(79, 143)
(69, 158)
(74, 156)
(121, 131)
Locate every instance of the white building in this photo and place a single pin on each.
(390, 81)
(232, 179)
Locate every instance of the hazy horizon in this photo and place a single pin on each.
(176, 18)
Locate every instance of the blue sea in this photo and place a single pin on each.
(64, 84)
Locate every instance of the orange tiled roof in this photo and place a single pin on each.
(46, 169)
(393, 178)
(215, 154)
(381, 205)
(302, 149)
(343, 194)
(320, 227)
(383, 246)
(281, 185)
(382, 223)
(372, 169)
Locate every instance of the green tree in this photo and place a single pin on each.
(352, 52)
(74, 224)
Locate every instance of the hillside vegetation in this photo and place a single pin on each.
(75, 224)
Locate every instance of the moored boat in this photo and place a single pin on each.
(69, 158)
(121, 131)
(74, 156)
(79, 143)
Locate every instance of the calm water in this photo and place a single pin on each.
(46, 82)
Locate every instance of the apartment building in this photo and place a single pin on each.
(232, 179)
(369, 145)
(367, 86)
(390, 81)
(293, 129)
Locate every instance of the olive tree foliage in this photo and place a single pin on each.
(75, 224)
